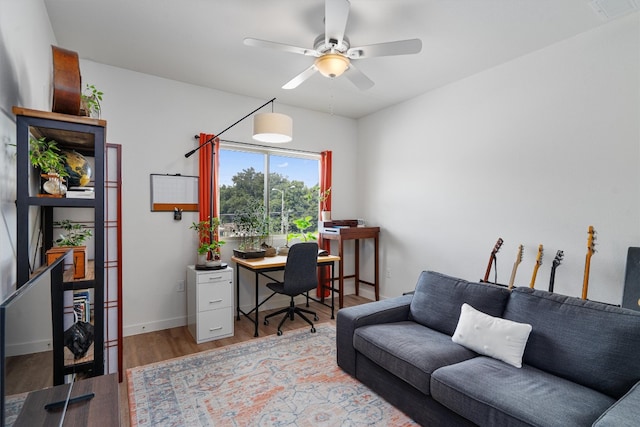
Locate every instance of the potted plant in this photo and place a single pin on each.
(252, 229)
(75, 236)
(46, 155)
(208, 248)
(90, 101)
(302, 224)
(325, 213)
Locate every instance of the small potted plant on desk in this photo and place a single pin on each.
(75, 236)
(208, 248)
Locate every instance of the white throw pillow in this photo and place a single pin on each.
(491, 336)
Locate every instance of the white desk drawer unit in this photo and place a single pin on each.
(209, 303)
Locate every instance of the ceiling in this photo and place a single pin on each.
(201, 42)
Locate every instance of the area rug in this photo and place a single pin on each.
(288, 380)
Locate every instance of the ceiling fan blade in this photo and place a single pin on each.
(358, 78)
(297, 80)
(280, 46)
(401, 47)
(336, 14)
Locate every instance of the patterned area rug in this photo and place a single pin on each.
(291, 380)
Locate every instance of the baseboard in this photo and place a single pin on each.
(159, 325)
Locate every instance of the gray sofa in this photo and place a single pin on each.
(580, 367)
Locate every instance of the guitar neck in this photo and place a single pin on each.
(552, 278)
(587, 262)
(513, 275)
(533, 276)
(488, 272)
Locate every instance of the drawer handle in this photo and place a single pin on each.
(215, 329)
(215, 301)
(215, 278)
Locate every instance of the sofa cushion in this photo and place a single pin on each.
(437, 300)
(624, 413)
(489, 392)
(409, 350)
(492, 336)
(593, 344)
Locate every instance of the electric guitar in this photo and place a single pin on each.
(492, 258)
(535, 268)
(587, 264)
(515, 266)
(556, 262)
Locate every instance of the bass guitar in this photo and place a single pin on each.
(587, 264)
(556, 262)
(537, 266)
(515, 266)
(492, 258)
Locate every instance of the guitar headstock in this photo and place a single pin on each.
(558, 259)
(497, 247)
(591, 240)
(519, 256)
(539, 256)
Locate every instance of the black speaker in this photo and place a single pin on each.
(631, 294)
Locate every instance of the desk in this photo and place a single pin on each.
(102, 409)
(262, 266)
(353, 233)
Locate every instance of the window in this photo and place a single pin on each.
(279, 185)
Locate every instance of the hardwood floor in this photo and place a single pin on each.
(167, 344)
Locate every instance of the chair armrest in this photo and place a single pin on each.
(351, 318)
(625, 412)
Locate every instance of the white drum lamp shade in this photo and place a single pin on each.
(272, 127)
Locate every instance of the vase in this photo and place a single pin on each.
(326, 215)
(202, 259)
(213, 263)
(53, 185)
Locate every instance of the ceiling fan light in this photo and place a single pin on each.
(272, 127)
(332, 64)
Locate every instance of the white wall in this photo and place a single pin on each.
(25, 80)
(155, 121)
(533, 151)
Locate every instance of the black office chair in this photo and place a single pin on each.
(300, 276)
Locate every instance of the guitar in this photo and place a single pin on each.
(587, 264)
(515, 266)
(66, 81)
(535, 268)
(492, 258)
(556, 262)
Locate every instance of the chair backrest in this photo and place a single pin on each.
(301, 271)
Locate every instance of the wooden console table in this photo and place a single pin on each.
(102, 409)
(353, 233)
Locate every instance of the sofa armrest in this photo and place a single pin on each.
(625, 412)
(351, 318)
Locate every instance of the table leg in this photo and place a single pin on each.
(357, 265)
(333, 275)
(257, 304)
(237, 292)
(377, 272)
(340, 274)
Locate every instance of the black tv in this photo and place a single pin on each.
(26, 326)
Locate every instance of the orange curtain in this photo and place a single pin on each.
(325, 184)
(204, 188)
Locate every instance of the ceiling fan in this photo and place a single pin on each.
(333, 51)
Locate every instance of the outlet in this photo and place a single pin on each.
(388, 273)
(180, 287)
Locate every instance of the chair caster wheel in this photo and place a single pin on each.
(313, 330)
(279, 332)
(266, 322)
(315, 318)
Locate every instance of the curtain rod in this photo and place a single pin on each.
(267, 147)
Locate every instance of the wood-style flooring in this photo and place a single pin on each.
(162, 345)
